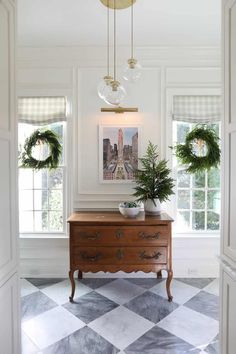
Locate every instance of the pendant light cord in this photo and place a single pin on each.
(132, 30)
(114, 40)
(108, 39)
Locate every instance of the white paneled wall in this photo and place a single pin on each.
(76, 72)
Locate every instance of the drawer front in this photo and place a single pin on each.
(118, 255)
(120, 235)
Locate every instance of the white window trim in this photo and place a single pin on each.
(68, 159)
(172, 205)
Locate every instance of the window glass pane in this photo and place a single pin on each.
(41, 179)
(198, 199)
(183, 218)
(213, 200)
(182, 130)
(213, 178)
(55, 199)
(25, 178)
(41, 221)
(55, 178)
(213, 221)
(183, 179)
(55, 221)
(198, 220)
(183, 199)
(26, 200)
(26, 221)
(199, 180)
(40, 199)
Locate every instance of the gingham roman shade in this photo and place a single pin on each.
(197, 109)
(41, 110)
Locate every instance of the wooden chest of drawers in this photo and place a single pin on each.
(106, 241)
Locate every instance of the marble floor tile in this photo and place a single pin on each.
(83, 341)
(90, 306)
(34, 304)
(145, 283)
(27, 288)
(27, 346)
(191, 326)
(197, 282)
(43, 282)
(120, 291)
(157, 340)
(51, 326)
(60, 292)
(213, 287)
(213, 347)
(121, 327)
(151, 306)
(181, 292)
(95, 283)
(205, 303)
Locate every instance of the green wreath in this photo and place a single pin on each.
(41, 137)
(197, 163)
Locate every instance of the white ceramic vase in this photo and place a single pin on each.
(152, 207)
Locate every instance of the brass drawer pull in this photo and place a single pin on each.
(91, 237)
(119, 234)
(143, 255)
(85, 256)
(120, 254)
(145, 236)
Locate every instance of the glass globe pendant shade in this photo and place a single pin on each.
(116, 94)
(133, 70)
(103, 86)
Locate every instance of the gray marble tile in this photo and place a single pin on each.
(83, 341)
(205, 303)
(95, 283)
(199, 283)
(157, 340)
(44, 282)
(213, 347)
(90, 306)
(145, 283)
(151, 306)
(35, 304)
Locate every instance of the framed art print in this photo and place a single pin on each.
(118, 153)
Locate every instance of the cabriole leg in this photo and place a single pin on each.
(72, 280)
(159, 275)
(168, 281)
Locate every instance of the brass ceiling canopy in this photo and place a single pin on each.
(120, 4)
(119, 109)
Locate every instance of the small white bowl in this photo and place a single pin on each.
(129, 212)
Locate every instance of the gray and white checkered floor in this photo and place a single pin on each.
(112, 316)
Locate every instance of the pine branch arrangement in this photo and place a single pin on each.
(153, 180)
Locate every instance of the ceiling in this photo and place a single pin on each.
(83, 23)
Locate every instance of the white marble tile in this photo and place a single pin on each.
(121, 327)
(60, 292)
(51, 326)
(27, 346)
(213, 287)
(191, 326)
(27, 288)
(181, 292)
(120, 291)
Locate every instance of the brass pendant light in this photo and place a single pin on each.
(118, 4)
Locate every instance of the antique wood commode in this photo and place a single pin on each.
(108, 242)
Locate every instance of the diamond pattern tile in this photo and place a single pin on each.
(123, 316)
(90, 306)
(151, 306)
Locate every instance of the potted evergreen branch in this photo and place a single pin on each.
(154, 184)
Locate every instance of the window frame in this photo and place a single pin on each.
(172, 205)
(68, 161)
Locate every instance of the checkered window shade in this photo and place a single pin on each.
(41, 110)
(197, 109)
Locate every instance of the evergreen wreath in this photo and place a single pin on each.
(185, 153)
(41, 137)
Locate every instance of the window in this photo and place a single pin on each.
(197, 200)
(42, 193)
(197, 195)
